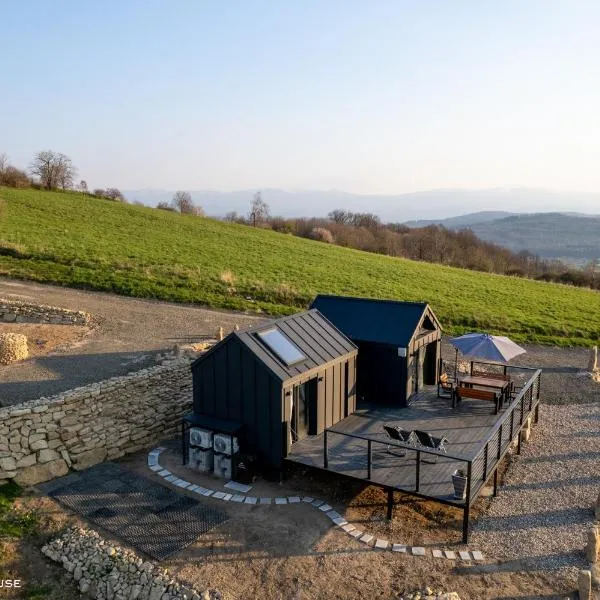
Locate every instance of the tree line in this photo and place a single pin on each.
(364, 231)
(434, 243)
(53, 171)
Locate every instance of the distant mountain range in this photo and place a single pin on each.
(564, 234)
(573, 237)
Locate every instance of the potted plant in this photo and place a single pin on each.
(459, 480)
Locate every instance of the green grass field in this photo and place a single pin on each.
(80, 241)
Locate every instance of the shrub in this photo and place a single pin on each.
(322, 235)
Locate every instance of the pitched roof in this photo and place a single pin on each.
(372, 320)
(318, 340)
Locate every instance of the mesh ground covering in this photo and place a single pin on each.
(153, 519)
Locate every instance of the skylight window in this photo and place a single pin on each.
(281, 346)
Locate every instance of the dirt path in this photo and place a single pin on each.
(129, 334)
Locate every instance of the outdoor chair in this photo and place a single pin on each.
(427, 440)
(445, 387)
(399, 435)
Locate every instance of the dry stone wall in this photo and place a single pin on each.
(44, 438)
(12, 311)
(107, 572)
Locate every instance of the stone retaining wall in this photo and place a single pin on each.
(44, 438)
(12, 311)
(105, 572)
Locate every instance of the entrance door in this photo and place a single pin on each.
(304, 410)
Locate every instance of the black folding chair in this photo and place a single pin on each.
(425, 439)
(399, 435)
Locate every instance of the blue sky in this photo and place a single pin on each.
(369, 96)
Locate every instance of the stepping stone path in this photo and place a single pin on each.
(326, 509)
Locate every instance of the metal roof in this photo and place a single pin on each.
(371, 320)
(318, 340)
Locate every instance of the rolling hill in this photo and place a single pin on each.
(76, 240)
(572, 237)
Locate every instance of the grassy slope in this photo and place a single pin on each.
(82, 241)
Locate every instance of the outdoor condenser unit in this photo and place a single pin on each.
(222, 443)
(223, 466)
(202, 459)
(202, 438)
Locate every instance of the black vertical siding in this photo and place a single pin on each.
(230, 383)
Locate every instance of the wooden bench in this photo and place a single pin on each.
(477, 394)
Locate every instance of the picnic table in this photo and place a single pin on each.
(485, 382)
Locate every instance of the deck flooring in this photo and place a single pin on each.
(465, 427)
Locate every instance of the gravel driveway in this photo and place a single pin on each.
(540, 518)
(129, 334)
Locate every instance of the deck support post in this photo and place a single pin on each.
(520, 434)
(465, 536)
(390, 504)
(536, 413)
(495, 483)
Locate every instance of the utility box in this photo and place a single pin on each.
(203, 438)
(223, 466)
(202, 459)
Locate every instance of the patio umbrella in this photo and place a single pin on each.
(497, 348)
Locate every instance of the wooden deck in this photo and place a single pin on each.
(466, 427)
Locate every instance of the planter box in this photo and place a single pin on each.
(460, 485)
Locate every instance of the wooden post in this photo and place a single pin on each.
(536, 413)
(519, 441)
(390, 504)
(496, 482)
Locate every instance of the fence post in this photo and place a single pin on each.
(467, 505)
(512, 424)
(418, 472)
(325, 451)
(369, 458)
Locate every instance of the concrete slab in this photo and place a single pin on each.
(293, 499)
(418, 551)
(308, 499)
(238, 487)
(437, 553)
(399, 548)
(251, 500)
(280, 500)
(238, 498)
(464, 555)
(450, 555)
(381, 544)
(325, 507)
(266, 500)
(219, 495)
(477, 555)
(367, 538)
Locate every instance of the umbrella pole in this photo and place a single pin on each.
(456, 365)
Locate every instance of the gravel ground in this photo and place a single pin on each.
(540, 518)
(128, 335)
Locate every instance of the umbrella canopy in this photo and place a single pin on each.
(497, 348)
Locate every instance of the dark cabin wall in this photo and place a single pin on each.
(336, 396)
(231, 384)
(381, 374)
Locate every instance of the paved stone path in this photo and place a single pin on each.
(337, 519)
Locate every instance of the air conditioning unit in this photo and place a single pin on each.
(201, 459)
(223, 466)
(222, 443)
(202, 438)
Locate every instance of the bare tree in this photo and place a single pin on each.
(66, 172)
(3, 163)
(83, 186)
(341, 216)
(182, 202)
(100, 192)
(164, 205)
(53, 169)
(114, 193)
(259, 210)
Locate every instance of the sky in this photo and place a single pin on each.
(367, 96)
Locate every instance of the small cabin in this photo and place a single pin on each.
(399, 345)
(276, 383)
